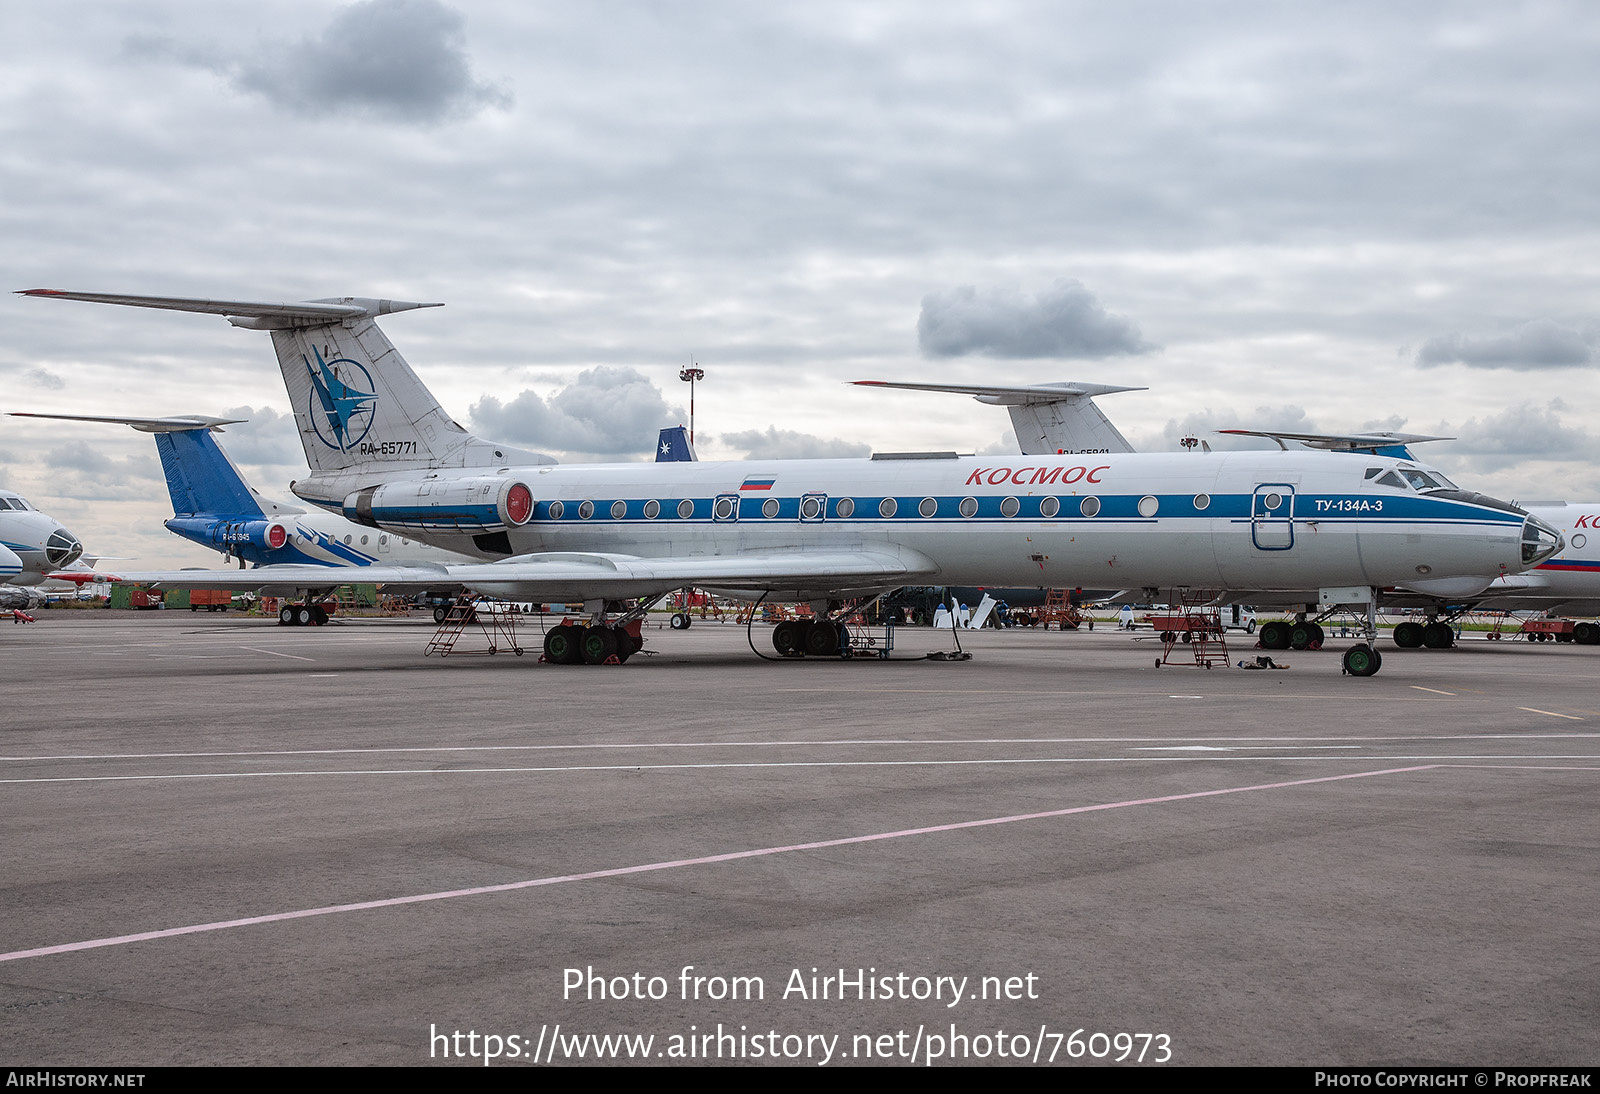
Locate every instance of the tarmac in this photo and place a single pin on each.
(228, 842)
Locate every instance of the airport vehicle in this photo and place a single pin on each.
(213, 505)
(384, 453)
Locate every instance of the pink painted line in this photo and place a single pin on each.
(673, 864)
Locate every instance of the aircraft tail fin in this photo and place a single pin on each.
(201, 479)
(357, 404)
(674, 446)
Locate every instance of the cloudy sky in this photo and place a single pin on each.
(1311, 216)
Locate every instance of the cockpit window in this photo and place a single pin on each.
(1391, 479)
(1420, 479)
(5, 503)
(1374, 472)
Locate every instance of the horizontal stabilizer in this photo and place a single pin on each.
(1048, 419)
(176, 424)
(265, 315)
(1339, 442)
(1010, 394)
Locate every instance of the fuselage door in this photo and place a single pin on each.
(813, 507)
(1272, 516)
(725, 508)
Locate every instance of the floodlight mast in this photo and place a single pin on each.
(689, 376)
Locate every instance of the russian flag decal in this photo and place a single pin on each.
(757, 484)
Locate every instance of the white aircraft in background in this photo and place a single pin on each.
(384, 453)
(1567, 582)
(213, 505)
(33, 545)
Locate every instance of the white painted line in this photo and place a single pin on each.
(1435, 691)
(1183, 748)
(1553, 714)
(1237, 748)
(274, 653)
(996, 762)
(672, 864)
(1260, 742)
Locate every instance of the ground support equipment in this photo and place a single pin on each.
(1196, 626)
(497, 623)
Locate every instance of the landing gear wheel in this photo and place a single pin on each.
(1316, 637)
(303, 617)
(1438, 636)
(1275, 635)
(1408, 636)
(1587, 634)
(286, 616)
(789, 639)
(599, 645)
(1362, 660)
(822, 638)
(563, 646)
(1300, 636)
(627, 644)
(319, 615)
(439, 612)
(680, 621)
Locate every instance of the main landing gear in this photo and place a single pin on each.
(302, 615)
(1298, 634)
(1437, 635)
(613, 634)
(810, 638)
(592, 644)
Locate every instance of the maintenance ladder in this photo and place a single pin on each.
(499, 629)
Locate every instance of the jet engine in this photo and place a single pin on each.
(476, 505)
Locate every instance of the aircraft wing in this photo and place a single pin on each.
(571, 576)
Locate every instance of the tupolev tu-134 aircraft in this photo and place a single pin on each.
(384, 453)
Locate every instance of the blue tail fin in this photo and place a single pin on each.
(201, 478)
(674, 446)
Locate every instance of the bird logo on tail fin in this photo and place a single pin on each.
(340, 413)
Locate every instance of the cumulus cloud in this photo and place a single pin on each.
(1541, 343)
(788, 444)
(401, 59)
(43, 377)
(1519, 433)
(1065, 320)
(265, 437)
(82, 469)
(608, 411)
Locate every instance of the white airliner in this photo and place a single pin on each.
(32, 544)
(1065, 419)
(384, 453)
